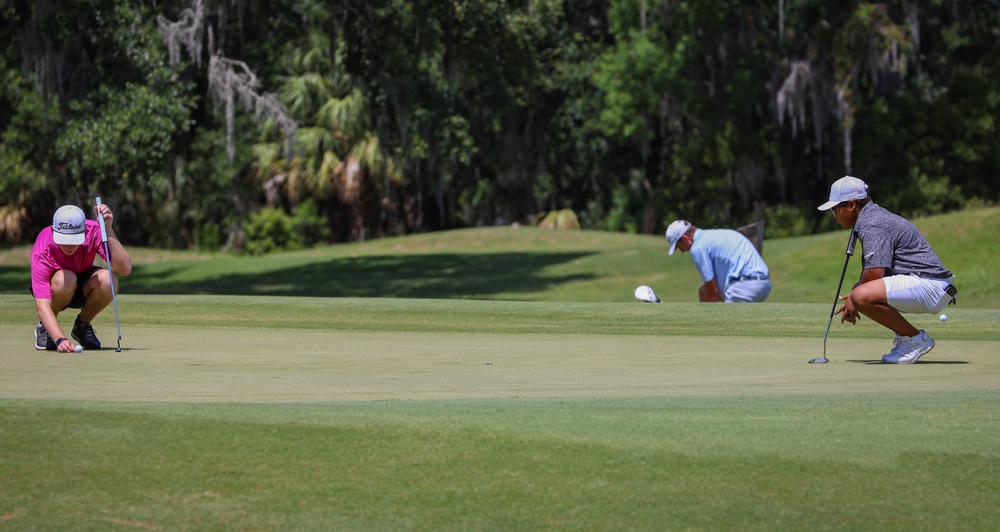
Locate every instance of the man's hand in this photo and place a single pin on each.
(66, 346)
(849, 311)
(709, 293)
(105, 212)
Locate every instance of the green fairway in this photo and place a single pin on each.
(503, 404)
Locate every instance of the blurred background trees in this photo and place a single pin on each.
(358, 119)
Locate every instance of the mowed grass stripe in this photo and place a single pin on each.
(241, 365)
(799, 320)
(637, 464)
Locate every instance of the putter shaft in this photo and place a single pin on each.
(111, 273)
(850, 251)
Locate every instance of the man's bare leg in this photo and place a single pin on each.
(870, 299)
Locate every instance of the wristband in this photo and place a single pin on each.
(59, 341)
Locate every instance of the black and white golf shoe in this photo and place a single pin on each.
(84, 334)
(42, 340)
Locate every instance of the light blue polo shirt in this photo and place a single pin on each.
(721, 254)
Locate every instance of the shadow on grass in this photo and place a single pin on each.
(15, 280)
(408, 276)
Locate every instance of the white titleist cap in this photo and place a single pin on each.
(844, 189)
(69, 226)
(675, 231)
(646, 295)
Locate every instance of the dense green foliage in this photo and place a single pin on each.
(418, 115)
(270, 229)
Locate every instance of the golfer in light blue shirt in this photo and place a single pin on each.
(731, 268)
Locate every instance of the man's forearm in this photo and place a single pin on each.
(121, 262)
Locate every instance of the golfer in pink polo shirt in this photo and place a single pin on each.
(63, 276)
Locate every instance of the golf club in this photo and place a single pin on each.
(107, 255)
(850, 251)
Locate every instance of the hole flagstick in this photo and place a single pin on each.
(850, 251)
(114, 299)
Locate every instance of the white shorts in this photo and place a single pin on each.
(748, 291)
(920, 295)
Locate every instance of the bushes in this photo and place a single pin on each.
(788, 220)
(270, 229)
(560, 219)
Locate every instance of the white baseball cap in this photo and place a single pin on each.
(844, 189)
(69, 226)
(675, 231)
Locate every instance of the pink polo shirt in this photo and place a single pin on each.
(46, 258)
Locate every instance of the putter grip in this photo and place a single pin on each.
(850, 242)
(100, 220)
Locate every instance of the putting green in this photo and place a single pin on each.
(238, 365)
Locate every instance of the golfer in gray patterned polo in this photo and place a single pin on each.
(900, 270)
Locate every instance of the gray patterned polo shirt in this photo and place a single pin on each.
(890, 241)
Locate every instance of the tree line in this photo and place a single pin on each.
(218, 123)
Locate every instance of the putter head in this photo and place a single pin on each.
(822, 360)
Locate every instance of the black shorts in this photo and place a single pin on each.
(81, 279)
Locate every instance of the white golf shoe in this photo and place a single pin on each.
(916, 347)
(898, 345)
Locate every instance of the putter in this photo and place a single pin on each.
(850, 251)
(107, 254)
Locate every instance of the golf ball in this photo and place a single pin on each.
(79, 349)
(943, 317)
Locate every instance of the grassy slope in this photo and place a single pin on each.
(536, 265)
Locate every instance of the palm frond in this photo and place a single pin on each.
(302, 94)
(340, 83)
(347, 116)
(267, 155)
(312, 143)
(368, 153)
(322, 181)
(315, 57)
